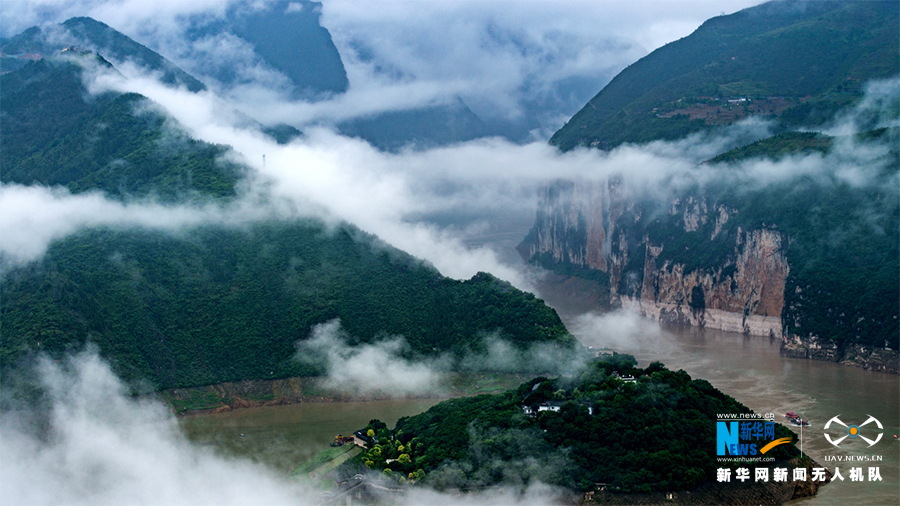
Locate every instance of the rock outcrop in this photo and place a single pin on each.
(694, 261)
(745, 295)
(742, 291)
(867, 357)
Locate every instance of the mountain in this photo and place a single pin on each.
(809, 258)
(118, 143)
(795, 61)
(422, 128)
(609, 426)
(213, 303)
(86, 33)
(285, 36)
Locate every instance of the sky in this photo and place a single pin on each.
(446, 205)
(460, 207)
(495, 55)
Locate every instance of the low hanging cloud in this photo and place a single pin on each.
(369, 368)
(99, 445)
(621, 330)
(388, 367)
(31, 217)
(445, 205)
(95, 443)
(534, 62)
(539, 358)
(504, 59)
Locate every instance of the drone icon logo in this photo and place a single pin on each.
(853, 431)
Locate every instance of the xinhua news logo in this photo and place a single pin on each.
(852, 431)
(746, 438)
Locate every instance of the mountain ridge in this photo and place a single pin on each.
(768, 52)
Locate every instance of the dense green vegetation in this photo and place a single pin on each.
(216, 303)
(818, 57)
(56, 133)
(655, 434)
(87, 33)
(210, 305)
(778, 146)
(842, 236)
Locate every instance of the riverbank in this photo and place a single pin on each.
(224, 397)
(869, 358)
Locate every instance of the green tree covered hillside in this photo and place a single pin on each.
(209, 305)
(657, 433)
(797, 61)
(56, 133)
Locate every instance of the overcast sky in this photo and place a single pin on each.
(493, 54)
(431, 203)
(651, 23)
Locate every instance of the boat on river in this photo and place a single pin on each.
(795, 419)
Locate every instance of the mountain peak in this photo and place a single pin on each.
(88, 33)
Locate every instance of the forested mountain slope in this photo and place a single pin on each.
(794, 236)
(204, 304)
(85, 33)
(56, 133)
(796, 61)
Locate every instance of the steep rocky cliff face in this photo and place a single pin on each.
(794, 262)
(571, 225)
(682, 266)
(744, 295)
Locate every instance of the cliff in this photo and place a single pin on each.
(814, 264)
(592, 226)
(571, 225)
(745, 295)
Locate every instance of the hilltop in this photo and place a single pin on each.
(208, 303)
(796, 62)
(610, 429)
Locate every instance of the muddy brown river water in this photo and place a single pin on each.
(747, 368)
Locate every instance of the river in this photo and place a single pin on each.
(749, 369)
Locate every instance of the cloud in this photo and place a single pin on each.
(92, 442)
(99, 445)
(388, 367)
(445, 205)
(879, 108)
(369, 368)
(623, 329)
(535, 63)
(540, 358)
(32, 217)
(508, 54)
